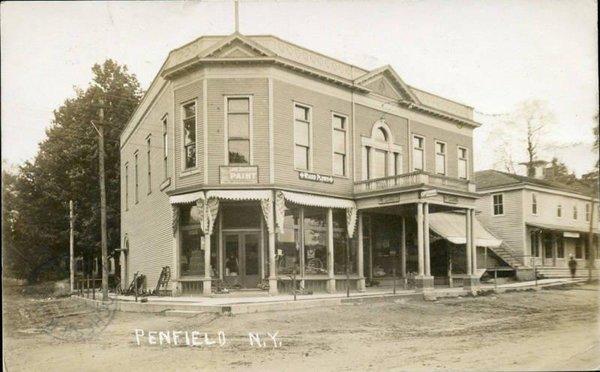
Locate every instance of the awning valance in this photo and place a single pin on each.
(239, 194)
(187, 198)
(563, 228)
(452, 227)
(317, 200)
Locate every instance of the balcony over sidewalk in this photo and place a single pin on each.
(414, 179)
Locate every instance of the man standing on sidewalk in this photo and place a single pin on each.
(572, 266)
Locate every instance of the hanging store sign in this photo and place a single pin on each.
(238, 175)
(315, 177)
(428, 193)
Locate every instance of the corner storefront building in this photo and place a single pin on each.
(252, 160)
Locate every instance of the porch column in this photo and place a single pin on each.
(360, 285)
(469, 270)
(554, 248)
(473, 243)
(403, 250)
(272, 269)
(420, 239)
(331, 280)
(471, 279)
(426, 239)
(206, 285)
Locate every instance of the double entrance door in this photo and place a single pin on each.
(242, 258)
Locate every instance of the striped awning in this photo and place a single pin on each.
(317, 200)
(187, 198)
(452, 227)
(239, 194)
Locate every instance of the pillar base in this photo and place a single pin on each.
(331, 286)
(273, 291)
(423, 282)
(360, 285)
(471, 281)
(206, 287)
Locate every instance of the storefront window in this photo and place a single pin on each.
(315, 241)
(386, 244)
(288, 243)
(341, 244)
(560, 248)
(191, 258)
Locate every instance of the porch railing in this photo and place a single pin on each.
(413, 179)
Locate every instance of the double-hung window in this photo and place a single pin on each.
(136, 193)
(302, 143)
(126, 187)
(588, 212)
(463, 163)
(440, 157)
(534, 204)
(238, 130)
(165, 138)
(189, 134)
(575, 212)
(559, 211)
(498, 204)
(148, 164)
(418, 153)
(339, 145)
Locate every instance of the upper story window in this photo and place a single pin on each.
(418, 153)
(189, 134)
(165, 146)
(136, 193)
(534, 204)
(463, 163)
(339, 145)
(126, 187)
(440, 157)
(588, 213)
(149, 164)
(302, 143)
(498, 204)
(238, 130)
(575, 212)
(381, 157)
(559, 211)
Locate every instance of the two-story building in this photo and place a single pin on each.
(542, 223)
(251, 158)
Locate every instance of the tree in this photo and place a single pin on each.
(557, 171)
(530, 118)
(66, 168)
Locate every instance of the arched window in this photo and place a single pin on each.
(381, 157)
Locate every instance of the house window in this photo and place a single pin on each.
(189, 134)
(191, 258)
(301, 137)
(339, 145)
(378, 166)
(418, 153)
(534, 205)
(498, 204)
(148, 165)
(462, 163)
(126, 187)
(165, 137)
(136, 194)
(578, 249)
(574, 212)
(238, 130)
(440, 157)
(559, 211)
(535, 248)
(560, 248)
(588, 213)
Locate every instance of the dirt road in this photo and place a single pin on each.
(548, 329)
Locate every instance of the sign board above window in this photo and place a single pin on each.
(238, 174)
(568, 234)
(428, 193)
(315, 177)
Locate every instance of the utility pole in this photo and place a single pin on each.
(102, 203)
(591, 249)
(71, 246)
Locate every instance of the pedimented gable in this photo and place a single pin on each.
(381, 85)
(386, 82)
(237, 46)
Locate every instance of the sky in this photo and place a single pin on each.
(490, 55)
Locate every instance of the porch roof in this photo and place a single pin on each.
(188, 198)
(318, 200)
(563, 228)
(452, 227)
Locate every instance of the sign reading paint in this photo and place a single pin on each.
(239, 175)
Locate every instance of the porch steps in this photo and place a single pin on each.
(563, 272)
(507, 255)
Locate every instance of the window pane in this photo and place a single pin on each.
(378, 164)
(239, 151)
(238, 126)
(339, 141)
(240, 216)
(462, 153)
(238, 104)
(339, 166)
(191, 257)
(380, 135)
(288, 243)
(301, 157)
(440, 166)
(418, 142)
(418, 159)
(315, 241)
(301, 113)
(301, 133)
(189, 110)
(440, 148)
(341, 246)
(190, 156)
(339, 122)
(462, 168)
(189, 127)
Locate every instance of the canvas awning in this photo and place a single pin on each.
(452, 227)
(187, 198)
(239, 194)
(317, 200)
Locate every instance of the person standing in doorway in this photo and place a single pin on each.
(572, 266)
